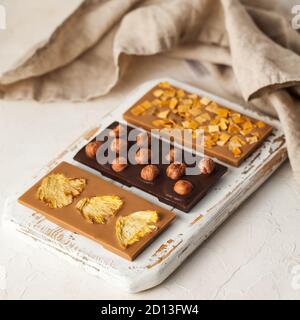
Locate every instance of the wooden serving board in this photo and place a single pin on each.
(173, 246)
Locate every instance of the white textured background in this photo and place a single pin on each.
(253, 255)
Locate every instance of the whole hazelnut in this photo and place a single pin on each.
(206, 166)
(183, 187)
(176, 170)
(149, 172)
(119, 164)
(117, 131)
(91, 148)
(172, 155)
(118, 145)
(143, 139)
(142, 156)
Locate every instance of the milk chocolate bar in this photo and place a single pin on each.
(97, 209)
(228, 135)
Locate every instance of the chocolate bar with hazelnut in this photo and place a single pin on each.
(171, 183)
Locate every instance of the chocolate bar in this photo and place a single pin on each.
(166, 181)
(228, 135)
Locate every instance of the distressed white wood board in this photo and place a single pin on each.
(187, 232)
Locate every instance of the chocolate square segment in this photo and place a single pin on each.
(229, 135)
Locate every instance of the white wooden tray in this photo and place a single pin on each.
(188, 231)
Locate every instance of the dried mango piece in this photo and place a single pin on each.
(164, 85)
(233, 128)
(188, 102)
(256, 134)
(235, 142)
(156, 103)
(158, 93)
(146, 104)
(252, 139)
(248, 125)
(180, 93)
(192, 96)
(183, 108)
(237, 118)
(223, 138)
(165, 104)
(223, 112)
(203, 118)
(163, 114)
(236, 152)
(163, 123)
(137, 111)
(205, 101)
(223, 124)
(209, 141)
(215, 121)
(213, 128)
(99, 209)
(58, 191)
(213, 107)
(173, 103)
(195, 111)
(260, 124)
(170, 93)
(190, 124)
(245, 132)
(130, 229)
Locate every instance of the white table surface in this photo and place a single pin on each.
(254, 255)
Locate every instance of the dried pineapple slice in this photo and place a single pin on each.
(58, 191)
(99, 209)
(132, 228)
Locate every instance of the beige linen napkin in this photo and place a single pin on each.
(249, 48)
